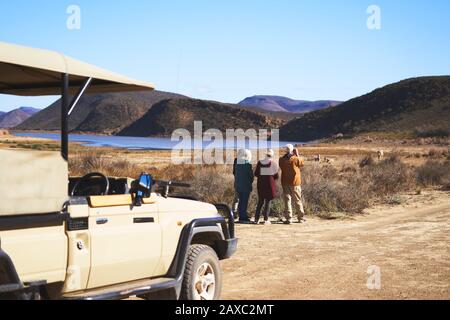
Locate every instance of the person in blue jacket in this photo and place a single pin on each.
(243, 174)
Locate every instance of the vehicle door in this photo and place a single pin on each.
(125, 240)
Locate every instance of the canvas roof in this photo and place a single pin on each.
(28, 71)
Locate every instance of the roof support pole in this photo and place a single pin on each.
(64, 116)
(79, 94)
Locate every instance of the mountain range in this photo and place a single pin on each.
(283, 104)
(15, 117)
(402, 107)
(149, 114)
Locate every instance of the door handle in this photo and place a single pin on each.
(144, 220)
(102, 221)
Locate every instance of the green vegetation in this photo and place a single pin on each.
(32, 146)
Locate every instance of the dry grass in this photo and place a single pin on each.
(434, 173)
(388, 177)
(348, 188)
(100, 161)
(353, 189)
(327, 190)
(366, 161)
(212, 184)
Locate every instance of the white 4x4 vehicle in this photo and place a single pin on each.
(112, 238)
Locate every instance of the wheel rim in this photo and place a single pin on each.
(204, 282)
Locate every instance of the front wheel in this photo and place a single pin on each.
(203, 275)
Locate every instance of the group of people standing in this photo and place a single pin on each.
(267, 173)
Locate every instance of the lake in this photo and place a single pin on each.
(139, 143)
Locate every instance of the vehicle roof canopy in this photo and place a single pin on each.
(35, 182)
(28, 71)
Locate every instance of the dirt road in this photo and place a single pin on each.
(330, 259)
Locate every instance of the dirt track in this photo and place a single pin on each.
(329, 259)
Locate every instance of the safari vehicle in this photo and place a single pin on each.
(112, 238)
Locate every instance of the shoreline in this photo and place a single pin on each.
(145, 143)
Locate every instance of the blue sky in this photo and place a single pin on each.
(228, 50)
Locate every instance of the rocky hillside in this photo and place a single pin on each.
(99, 113)
(169, 115)
(283, 104)
(417, 104)
(16, 117)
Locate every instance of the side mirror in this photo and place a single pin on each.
(142, 188)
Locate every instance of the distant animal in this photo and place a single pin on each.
(317, 158)
(329, 161)
(380, 155)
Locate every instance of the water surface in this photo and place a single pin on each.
(140, 143)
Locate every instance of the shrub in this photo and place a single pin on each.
(366, 161)
(388, 177)
(434, 173)
(394, 200)
(213, 184)
(429, 132)
(325, 191)
(435, 154)
(349, 170)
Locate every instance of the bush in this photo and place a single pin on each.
(325, 191)
(434, 173)
(435, 154)
(388, 177)
(366, 161)
(427, 132)
(214, 184)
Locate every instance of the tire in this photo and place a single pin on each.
(203, 275)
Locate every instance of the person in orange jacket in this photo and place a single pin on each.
(291, 181)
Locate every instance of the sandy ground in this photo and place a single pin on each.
(330, 259)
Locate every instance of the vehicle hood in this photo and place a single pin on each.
(200, 209)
